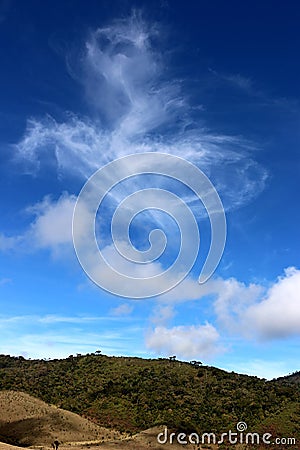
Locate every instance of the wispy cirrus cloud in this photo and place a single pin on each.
(247, 85)
(54, 335)
(236, 80)
(55, 319)
(122, 72)
(122, 310)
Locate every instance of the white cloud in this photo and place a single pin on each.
(120, 72)
(55, 336)
(254, 311)
(232, 301)
(240, 81)
(8, 243)
(123, 74)
(60, 344)
(185, 341)
(249, 311)
(51, 227)
(236, 80)
(52, 319)
(277, 315)
(77, 145)
(246, 85)
(123, 310)
(53, 224)
(163, 314)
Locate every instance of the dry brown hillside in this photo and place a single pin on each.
(4, 446)
(25, 420)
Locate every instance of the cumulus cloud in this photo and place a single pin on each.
(53, 224)
(277, 315)
(248, 311)
(233, 298)
(184, 341)
(255, 311)
(51, 227)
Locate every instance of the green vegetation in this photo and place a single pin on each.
(133, 394)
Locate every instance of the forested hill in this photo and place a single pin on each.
(293, 378)
(133, 394)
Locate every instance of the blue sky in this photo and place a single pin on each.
(211, 82)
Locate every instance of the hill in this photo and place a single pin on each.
(25, 420)
(293, 378)
(4, 446)
(133, 394)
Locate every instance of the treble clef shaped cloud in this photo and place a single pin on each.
(124, 280)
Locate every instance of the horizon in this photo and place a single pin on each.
(158, 358)
(214, 85)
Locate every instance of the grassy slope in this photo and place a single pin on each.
(132, 394)
(25, 420)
